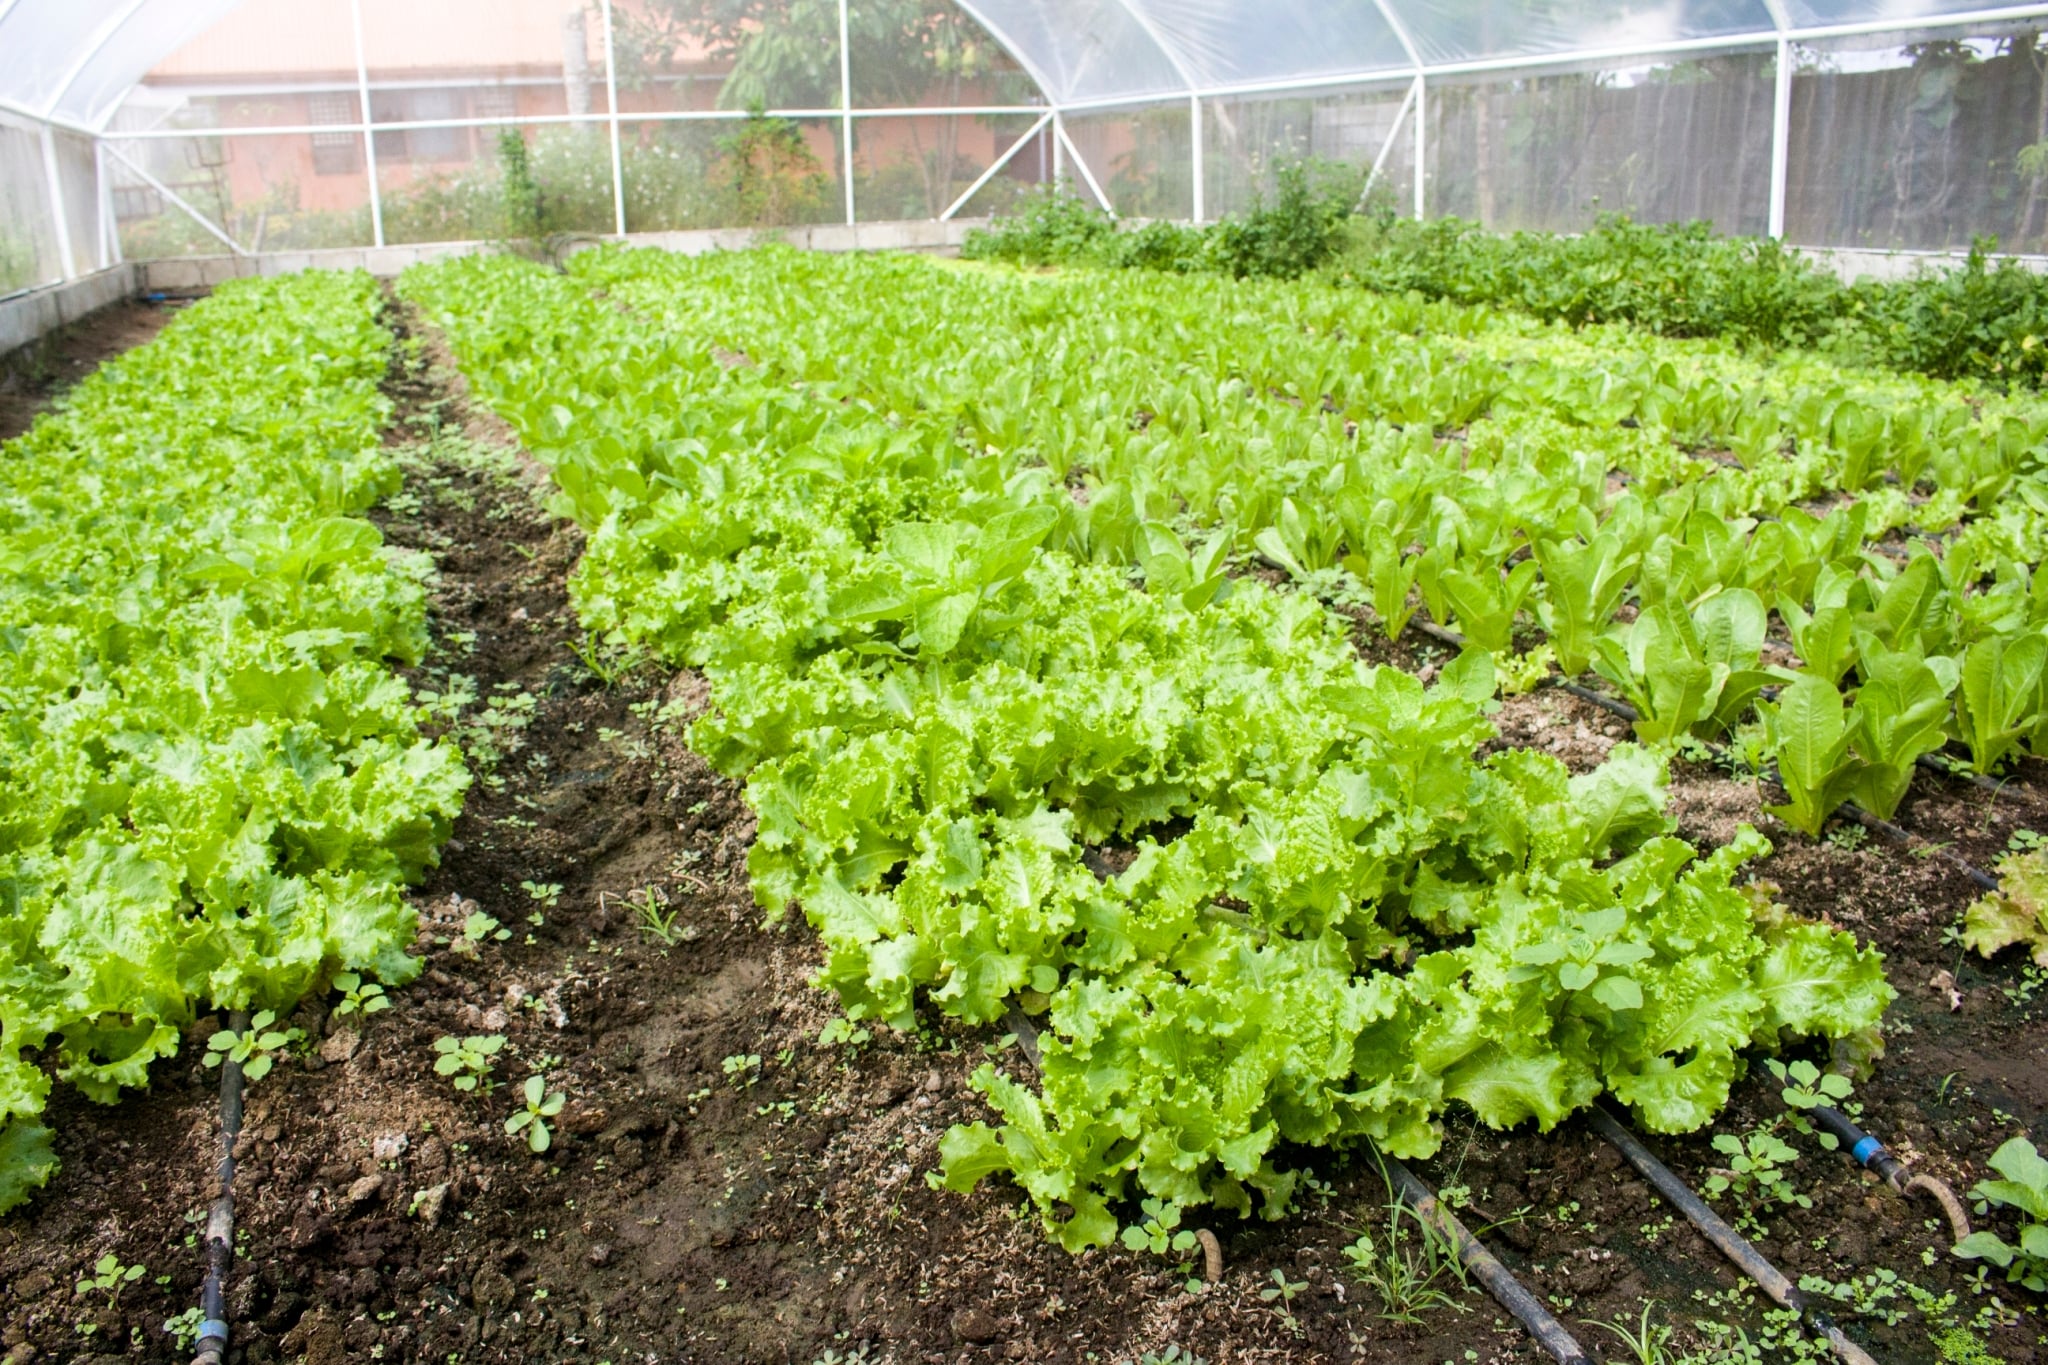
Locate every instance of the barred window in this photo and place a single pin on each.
(336, 153)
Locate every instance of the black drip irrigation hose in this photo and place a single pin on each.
(1727, 1240)
(212, 1343)
(1509, 1292)
(1872, 1154)
(1484, 1266)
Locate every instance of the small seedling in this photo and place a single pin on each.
(359, 996)
(1756, 1175)
(255, 1049)
(842, 1031)
(743, 1068)
(1281, 1295)
(184, 1328)
(1409, 1264)
(110, 1277)
(468, 1060)
(2025, 1190)
(479, 928)
(1162, 1235)
(650, 911)
(606, 661)
(1806, 1088)
(541, 1105)
(1647, 1342)
(859, 1356)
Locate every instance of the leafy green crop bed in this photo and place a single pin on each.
(212, 787)
(1068, 636)
(950, 547)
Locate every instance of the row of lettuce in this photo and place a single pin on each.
(1017, 740)
(212, 784)
(1983, 319)
(1834, 570)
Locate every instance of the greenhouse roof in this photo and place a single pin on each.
(71, 62)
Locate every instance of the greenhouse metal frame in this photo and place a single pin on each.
(1085, 57)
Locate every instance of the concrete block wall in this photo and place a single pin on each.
(29, 317)
(179, 273)
(1852, 264)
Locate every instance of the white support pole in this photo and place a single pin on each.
(1781, 137)
(66, 259)
(355, 14)
(103, 251)
(846, 108)
(1059, 150)
(611, 100)
(1087, 176)
(1379, 163)
(1421, 148)
(22, 111)
(1200, 203)
(995, 167)
(167, 192)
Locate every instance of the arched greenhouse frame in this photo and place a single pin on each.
(149, 128)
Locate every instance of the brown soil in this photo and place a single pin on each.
(721, 1188)
(34, 377)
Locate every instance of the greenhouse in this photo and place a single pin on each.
(139, 128)
(1106, 682)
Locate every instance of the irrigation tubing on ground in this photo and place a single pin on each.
(212, 1343)
(1933, 763)
(1872, 1154)
(1727, 1240)
(1509, 1292)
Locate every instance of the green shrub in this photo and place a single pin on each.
(1301, 229)
(1677, 279)
(1046, 228)
(1975, 321)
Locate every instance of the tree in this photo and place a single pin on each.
(784, 54)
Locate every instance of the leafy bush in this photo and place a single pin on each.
(17, 262)
(1678, 280)
(1299, 230)
(1046, 228)
(768, 170)
(1975, 321)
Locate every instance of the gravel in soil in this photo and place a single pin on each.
(721, 1187)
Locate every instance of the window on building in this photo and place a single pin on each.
(336, 153)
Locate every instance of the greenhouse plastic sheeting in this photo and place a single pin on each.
(1905, 13)
(241, 124)
(73, 60)
(1447, 35)
(1082, 50)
